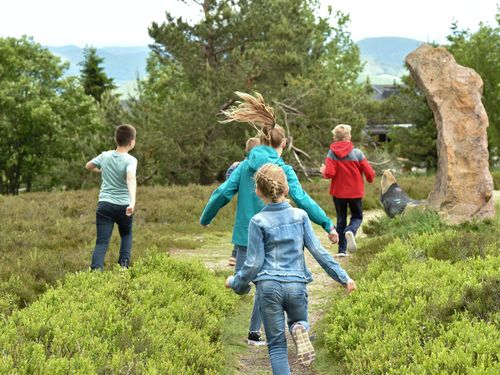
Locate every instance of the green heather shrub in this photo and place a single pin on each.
(49, 234)
(162, 316)
(414, 221)
(428, 303)
(394, 322)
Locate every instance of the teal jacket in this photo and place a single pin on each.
(241, 182)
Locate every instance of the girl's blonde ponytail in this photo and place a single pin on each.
(255, 111)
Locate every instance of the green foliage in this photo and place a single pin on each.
(94, 80)
(43, 117)
(413, 221)
(427, 303)
(161, 316)
(496, 179)
(418, 143)
(481, 52)
(291, 57)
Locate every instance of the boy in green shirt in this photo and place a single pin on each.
(117, 196)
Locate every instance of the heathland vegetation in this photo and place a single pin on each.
(427, 298)
(428, 292)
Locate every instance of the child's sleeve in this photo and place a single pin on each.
(323, 257)
(305, 202)
(132, 166)
(367, 169)
(220, 197)
(330, 170)
(97, 161)
(253, 263)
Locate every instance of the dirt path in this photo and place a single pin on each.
(255, 361)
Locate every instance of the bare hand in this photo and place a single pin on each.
(350, 286)
(333, 236)
(228, 282)
(130, 211)
(322, 168)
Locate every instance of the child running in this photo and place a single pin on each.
(251, 143)
(275, 263)
(117, 196)
(345, 166)
(255, 111)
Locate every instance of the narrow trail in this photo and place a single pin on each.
(255, 360)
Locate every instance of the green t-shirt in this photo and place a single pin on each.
(114, 167)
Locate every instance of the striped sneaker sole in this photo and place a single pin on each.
(305, 350)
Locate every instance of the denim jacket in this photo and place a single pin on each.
(276, 239)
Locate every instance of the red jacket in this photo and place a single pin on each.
(345, 166)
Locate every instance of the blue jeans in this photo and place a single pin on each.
(255, 319)
(106, 215)
(356, 207)
(275, 298)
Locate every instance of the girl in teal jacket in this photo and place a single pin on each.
(241, 182)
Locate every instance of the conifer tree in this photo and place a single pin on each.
(93, 77)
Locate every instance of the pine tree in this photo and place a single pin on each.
(93, 77)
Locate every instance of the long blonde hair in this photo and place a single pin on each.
(271, 182)
(255, 111)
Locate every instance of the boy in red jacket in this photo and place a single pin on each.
(345, 166)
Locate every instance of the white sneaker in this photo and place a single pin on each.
(305, 350)
(341, 255)
(351, 242)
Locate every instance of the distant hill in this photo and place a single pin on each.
(384, 58)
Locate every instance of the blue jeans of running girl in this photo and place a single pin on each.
(255, 319)
(274, 299)
(107, 215)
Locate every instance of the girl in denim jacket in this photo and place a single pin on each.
(255, 111)
(275, 263)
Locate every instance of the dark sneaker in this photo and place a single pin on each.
(255, 339)
(305, 350)
(351, 242)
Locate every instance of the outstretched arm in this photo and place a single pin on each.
(323, 257)
(304, 201)
(221, 196)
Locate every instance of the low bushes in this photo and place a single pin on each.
(47, 235)
(161, 316)
(428, 303)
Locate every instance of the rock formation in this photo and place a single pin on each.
(464, 186)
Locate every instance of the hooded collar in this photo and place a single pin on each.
(342, 148)
(261, 155)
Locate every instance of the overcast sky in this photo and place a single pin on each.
(124, 22)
